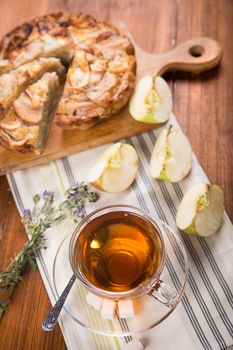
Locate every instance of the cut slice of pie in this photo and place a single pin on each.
(26, 124)
(12, 83)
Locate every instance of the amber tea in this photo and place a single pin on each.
(118, 251)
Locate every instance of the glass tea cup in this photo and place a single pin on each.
(119, 252)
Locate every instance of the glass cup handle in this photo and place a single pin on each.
(163, 293)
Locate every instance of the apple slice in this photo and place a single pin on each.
(201, 210)
(172, 156)
(151, 101)
(116, 168)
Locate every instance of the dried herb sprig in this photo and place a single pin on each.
(44, 215)
(74, 201)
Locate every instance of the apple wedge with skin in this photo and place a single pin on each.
(152, 101)
(171, 158)
(116, 168)
(201, 210)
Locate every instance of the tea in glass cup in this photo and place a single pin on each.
(118, 252)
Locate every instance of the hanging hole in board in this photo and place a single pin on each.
(196, 51)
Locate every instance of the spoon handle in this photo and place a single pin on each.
(50, 321)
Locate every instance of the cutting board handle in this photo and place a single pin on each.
(195, 55)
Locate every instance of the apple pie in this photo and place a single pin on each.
(99, 60)
(26, 124)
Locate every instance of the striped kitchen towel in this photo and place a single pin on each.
(204, 318)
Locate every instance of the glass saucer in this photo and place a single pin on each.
(149, 312)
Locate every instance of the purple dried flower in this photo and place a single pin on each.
(74, 191)
(48, 196)
(80, 212)
(27, 216)
(27, 212)
(46, 193)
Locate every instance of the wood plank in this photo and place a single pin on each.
(154, 26)
(204, 104)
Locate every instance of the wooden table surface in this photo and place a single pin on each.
(202, 104)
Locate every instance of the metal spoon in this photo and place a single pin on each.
(50, 321)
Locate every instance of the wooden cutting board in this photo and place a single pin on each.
(195, 55)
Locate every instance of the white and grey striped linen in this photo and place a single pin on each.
(204, 319)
